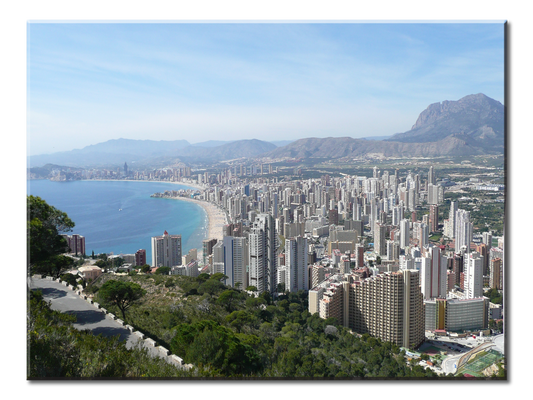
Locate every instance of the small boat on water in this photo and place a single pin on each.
(120, 209)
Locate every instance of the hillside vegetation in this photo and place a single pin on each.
(226, 332)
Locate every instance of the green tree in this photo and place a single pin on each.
(55, 265)
(211, 286)
(70, 279)
(145, 268)
(210, 345)
(163, 270)
(44, 226)
(121, 294)
(229, 298)
(219, 276)
(238, 319)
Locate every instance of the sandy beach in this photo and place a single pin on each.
(216, 217)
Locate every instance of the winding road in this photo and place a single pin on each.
(89, 317)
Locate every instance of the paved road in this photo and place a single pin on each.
(88, 316)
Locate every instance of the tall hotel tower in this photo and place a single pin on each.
(463, 230)
(230, 258)
(262, 251)
(404, 233)
(473, 276)
(166, 250)
(389, 306)
(296, 262)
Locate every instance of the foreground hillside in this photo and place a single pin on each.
(226, 332)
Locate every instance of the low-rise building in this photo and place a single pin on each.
(90, 272)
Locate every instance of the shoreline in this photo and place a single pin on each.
(215, 217)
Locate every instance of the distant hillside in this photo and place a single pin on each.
(228, 151)
(351, 148)
(476, 119)
(116, 152)
(473, 125)
(112, 152)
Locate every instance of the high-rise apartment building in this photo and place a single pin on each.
(433, 275)
(207, 247)
(450, 226)
(388, 306)
(496, 281)
(166, 250)
(463, 230)
(296, 262)
(76, 244)
(231, 259)
(431, 176)
(140, 257)
(380, 245)
(473, 270)
(433, 194)
(433, 218)
(404, 233)
(262, 251)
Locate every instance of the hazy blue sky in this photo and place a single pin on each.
(90, 82)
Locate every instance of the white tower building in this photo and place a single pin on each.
(404, 233)
(262, 252)
(473, 270)
(463, 230)
(166, 250)
(296, 259)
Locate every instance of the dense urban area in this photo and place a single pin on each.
(386, 268)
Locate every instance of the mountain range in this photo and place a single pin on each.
(470, 126)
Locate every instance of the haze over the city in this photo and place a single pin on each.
(92, 82)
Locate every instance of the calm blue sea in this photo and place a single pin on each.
(94, 208)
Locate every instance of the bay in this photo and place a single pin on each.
(94, 207)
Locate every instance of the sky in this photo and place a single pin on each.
(92, 82)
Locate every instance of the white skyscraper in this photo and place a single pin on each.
(463, 230)
(380, 246)
(296, 262)
(451, 220)
(424, 235)
(431, 176)
(230, 258)
(433, 194)
(473, 269)
(262, 252)
(397, 215)
(433, 275)
(404, 233)
(166, 250)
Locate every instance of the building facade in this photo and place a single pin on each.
(388, 306)
(296, 260)
(463, 230)
(76, 244)
(140, 257)
(262, 252)
(166, 250)
(473, 271)
(456, 315)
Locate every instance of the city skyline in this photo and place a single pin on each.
(91, 82)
